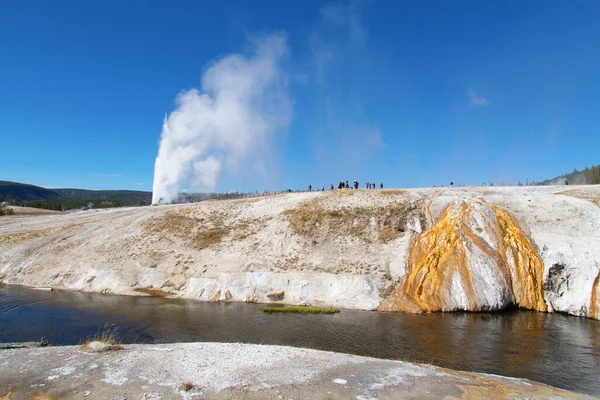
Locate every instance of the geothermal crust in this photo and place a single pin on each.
(233, 371)
(416, 250)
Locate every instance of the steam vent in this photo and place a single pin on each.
(475, 258)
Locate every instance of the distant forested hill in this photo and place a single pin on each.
(65, 199)
(122, 195)
(588, 176)
(24, 192)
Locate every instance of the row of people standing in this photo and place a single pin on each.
(346, 185)
(373, 185)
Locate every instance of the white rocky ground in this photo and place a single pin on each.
(346, 248)
(233, 371)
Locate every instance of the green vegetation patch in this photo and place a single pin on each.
(201, 231)
(391, 192)
(383, 223)
(301, 310)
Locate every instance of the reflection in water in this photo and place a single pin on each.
(556, 349)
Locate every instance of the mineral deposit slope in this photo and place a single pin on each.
(483, 248)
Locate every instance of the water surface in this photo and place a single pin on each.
(555, 349)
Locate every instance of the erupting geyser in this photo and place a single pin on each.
(229, 125)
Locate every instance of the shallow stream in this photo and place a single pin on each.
(555, 349)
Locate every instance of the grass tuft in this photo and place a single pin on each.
(209, 237)
(301, 310)
(109, 335)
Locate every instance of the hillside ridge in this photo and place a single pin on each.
(534, 247)
(27, 192)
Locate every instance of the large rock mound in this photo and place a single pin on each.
(348, 248)
(594, 311)
(475, 258)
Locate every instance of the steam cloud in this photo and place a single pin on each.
(228, 126)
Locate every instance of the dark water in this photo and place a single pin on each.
(556, 349)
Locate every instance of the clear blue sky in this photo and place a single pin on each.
(411, 93)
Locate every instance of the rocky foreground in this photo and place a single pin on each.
(228, 371)
(416, 250)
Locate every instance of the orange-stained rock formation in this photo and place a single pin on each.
(474, 258)
(595, 298)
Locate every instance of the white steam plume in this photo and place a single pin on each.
(229, 125)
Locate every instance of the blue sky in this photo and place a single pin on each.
(411, 93)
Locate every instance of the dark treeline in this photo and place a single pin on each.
(66, 205)
(25, 195)
(588, 176)
(25, 192)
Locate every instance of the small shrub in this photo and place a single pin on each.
(389, 234)
(276, 296)
(6, 211)
(301, 310)
(186, 386)
(154, 292)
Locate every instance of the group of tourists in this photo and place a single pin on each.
(346, 185)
